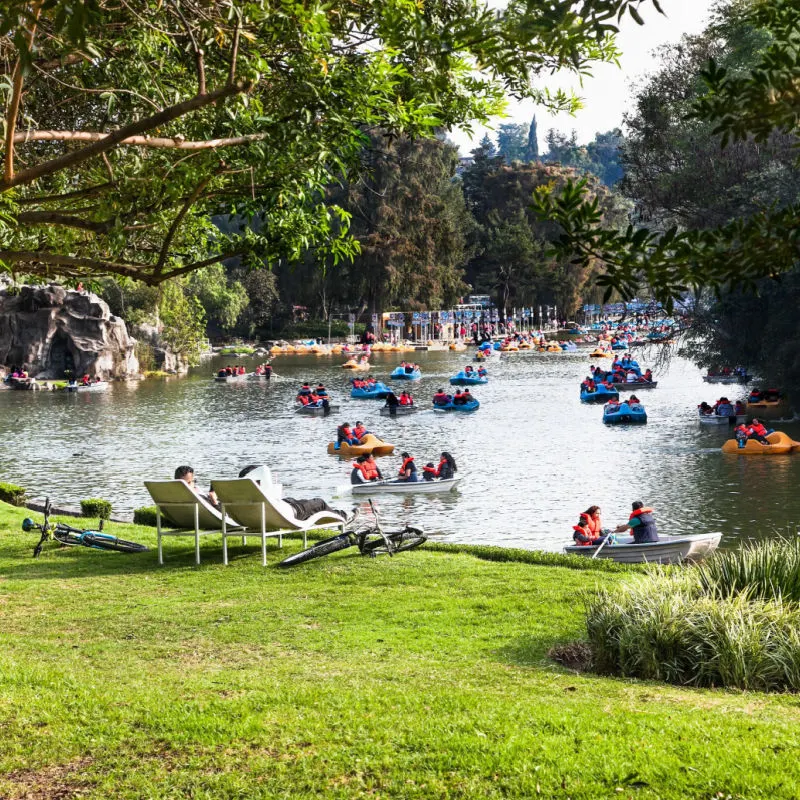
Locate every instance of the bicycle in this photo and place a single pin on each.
(76, 537)
(371, 541)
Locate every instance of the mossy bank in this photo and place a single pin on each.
(420, 676)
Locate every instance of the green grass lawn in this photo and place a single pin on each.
(421, 676)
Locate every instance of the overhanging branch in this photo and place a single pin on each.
(174, 143)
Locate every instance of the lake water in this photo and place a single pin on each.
(532, 457)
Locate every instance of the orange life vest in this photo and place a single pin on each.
(584, 532)
(430, 470)
(359, 431)
(639, 512)
(406, 462)
(593, 525)
(369, 469)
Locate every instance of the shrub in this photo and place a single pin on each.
(96, 507)
(666, 627)
(12, 494)
(237, 350)
(146, 515)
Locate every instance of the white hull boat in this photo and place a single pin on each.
(230, 378)
(102, 386)
(667, 550)
(715, 419)
(726, 379)
(317, 411)
(406, 487)
(398, 411)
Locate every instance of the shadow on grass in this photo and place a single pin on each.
(530, 651)
(78, 563)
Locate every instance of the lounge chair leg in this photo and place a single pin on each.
(158, 529)
(263, 535)
(197, 535)
(280, 540)
(224, 538)
(305, 540)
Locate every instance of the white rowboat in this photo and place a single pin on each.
(715, 419)
(397, 411)
(667, 550)
(406, 487)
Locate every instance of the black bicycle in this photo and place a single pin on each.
(371, 541)
(75, 537)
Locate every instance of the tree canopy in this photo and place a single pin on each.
(128, 125)
(738, 103)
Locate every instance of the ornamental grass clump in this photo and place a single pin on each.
(765, 570)
(667, 626)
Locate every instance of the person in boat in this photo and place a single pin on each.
(458, 398)
(222, 374)
(447, 467)
(467, 397)
(267, 371)
(739, 408)
(303, 509)
(705, 409)
(185, 473)
(360, 431)
(321, 391)
(648, 376)
(242, 370)
(408, 470)
(771, 396)
(754, 396)
(406, 399)
(583, 533)
(429, 472)
(740, 432)
(631, 377)
(482, 373)
(372, 467)
(391, 400)
(758, 432)
(634, 400)
(304, 399)
(468, 370)
(344, 434)
(642, 525)
(724, 408)
(441, 398)
(86, 380)
(611, 407)
(305, 389)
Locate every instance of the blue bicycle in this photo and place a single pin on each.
(67, 535)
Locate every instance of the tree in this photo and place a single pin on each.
(512, 142)
(532, 150)
(127, 126)
(223, 300)
(764, 242)
(183, 322)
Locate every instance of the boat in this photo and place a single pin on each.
(353, 364)
(377, 392)
(317, 411)
(369, 443)
(407, 487)
(624, 413)
(599, 354)
(600, 395)
(630, 387)
(472, 405)
(667, 550)
(715, 419)
(768, 409)
(727, 379)
(402, 374)
(467, 379)
(230, 378)
(779, 445)
(398, 411)
(97, 386)
(619, 345)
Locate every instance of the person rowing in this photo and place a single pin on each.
(641, 523)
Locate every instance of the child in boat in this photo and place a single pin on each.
(429, 472)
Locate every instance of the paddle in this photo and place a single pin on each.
(602, 545)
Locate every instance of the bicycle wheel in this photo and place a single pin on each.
(407, 539)
(112, 543)
(323, 548)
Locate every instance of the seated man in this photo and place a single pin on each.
(458, 398)
(360, 431)
(441, 398)
(186, 474)
(406, 399)
(641, 523)
(705, 409)
(466, 396)
(302, 509)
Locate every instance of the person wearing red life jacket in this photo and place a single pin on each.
(447, 466)
(758, 432)
(408, 469)
(582, 533)
(429, 472)
(303, 399)
(360, 431)
(405, 399)
(360, 472)
(441, 398)
(641, 523)
(372, 471)
(344, 433)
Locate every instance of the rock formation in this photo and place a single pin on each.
(51, 330)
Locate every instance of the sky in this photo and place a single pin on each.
(607, 94)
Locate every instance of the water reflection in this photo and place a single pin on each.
(531, 457)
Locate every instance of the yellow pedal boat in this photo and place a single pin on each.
(779, 444)
(368, 444)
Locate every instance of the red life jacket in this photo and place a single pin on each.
(639, 512)
(592, 525)
(759, 429)
(430, 471)
(584, 532)
(440, 398)
(303, 398)
(370, 470)
(362, 468)
(405, 400)
(359, 431)
(406, 462)
(345, 430)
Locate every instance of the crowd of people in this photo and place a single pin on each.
(230, 371)
(722, 408)
(368, 383)
(308, 396)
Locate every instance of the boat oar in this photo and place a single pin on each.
(602, 545)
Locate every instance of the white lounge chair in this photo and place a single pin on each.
(262, 514)
(191, 514)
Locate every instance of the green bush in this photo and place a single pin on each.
(318, 328)
(679, 628)
(240, 350)
(12, 494)
(146, 515)
(96, 507)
